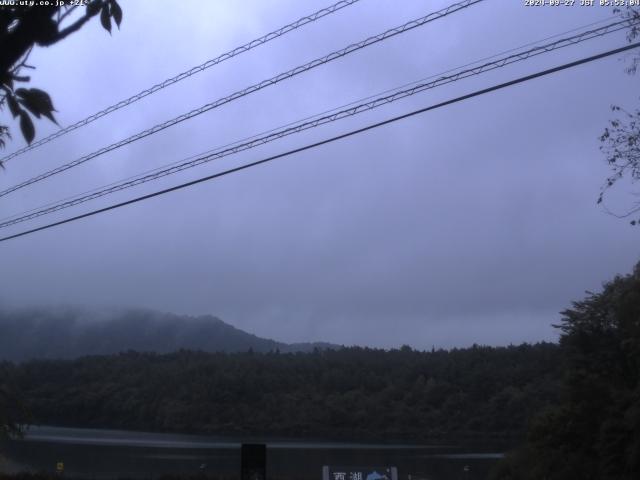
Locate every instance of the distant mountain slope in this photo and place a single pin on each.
(73, 332)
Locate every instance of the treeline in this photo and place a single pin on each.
(593, 432)
(461, 395)
(71, 332)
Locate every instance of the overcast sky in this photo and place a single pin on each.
(473, 223)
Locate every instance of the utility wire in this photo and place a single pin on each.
(253, 142)
(258, 86)
(181, 76)
(332, 139)
(334, 109)
(354, 102)
(380, 93)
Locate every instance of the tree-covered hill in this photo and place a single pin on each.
(461, 395)
(593, 432)
(73, 332)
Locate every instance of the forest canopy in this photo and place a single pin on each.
(479, 393)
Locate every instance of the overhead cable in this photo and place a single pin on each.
(249, 90)
(186, 74)
(317, 121)
(330, 140)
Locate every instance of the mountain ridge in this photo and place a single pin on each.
(72, 332)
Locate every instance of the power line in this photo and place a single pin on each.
(258, 86)
(186, 74)
(257, 140)
(332, 139)
(597, 22)
(273, 135)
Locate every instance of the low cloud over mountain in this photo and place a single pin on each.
(73, 332)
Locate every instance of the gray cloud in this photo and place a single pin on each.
(474, 223)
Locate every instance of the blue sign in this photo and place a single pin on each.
(359, 473)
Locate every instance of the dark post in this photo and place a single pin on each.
(253, 459)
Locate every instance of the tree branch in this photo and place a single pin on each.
(65, 14)
(74, 27)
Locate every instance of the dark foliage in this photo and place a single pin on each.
(621, 138)
(13, 414)
(22, 27)
(594, 432)
(463, 395)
